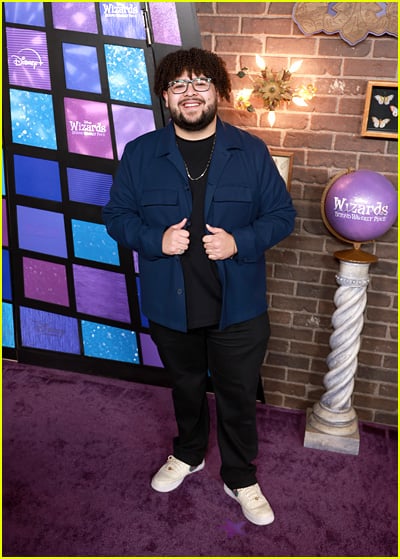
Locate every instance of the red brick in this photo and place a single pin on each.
(256, 8)
(237, 43)
(384, 70)
(216, 24)
(385, 49)
(273, 26)
(289, 45)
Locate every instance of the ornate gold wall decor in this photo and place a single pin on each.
(352, 20)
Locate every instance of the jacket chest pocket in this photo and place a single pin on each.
(160, 207)
(231, 207)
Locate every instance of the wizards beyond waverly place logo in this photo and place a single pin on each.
(119, 9)
(87, 128)
(358, 211)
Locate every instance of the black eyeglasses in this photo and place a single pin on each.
(198, 84)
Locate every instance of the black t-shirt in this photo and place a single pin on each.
(202, 285)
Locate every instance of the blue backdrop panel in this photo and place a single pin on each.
(39, 178)
(108, 342)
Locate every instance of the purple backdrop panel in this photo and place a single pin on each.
(88, 187)
(5, 224)
(101, 293)
(130, 123)
(45, 281)
(149, 351)
(27, 13)
(88, 129)
(28, 61)
(41, 231)
(165, 23)
(122, 19)
(75, 16)
(45, 330)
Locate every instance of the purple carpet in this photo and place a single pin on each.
(79, 451)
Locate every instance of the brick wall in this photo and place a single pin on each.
(325, 139)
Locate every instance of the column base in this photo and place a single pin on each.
(346, 443)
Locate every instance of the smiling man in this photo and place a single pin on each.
(201, 201)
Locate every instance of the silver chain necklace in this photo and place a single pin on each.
(207, 166)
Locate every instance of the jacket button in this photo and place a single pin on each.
(179, 291)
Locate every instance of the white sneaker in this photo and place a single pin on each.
(255, 506)
(172, 473)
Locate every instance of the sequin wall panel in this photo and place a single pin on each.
(77, 86)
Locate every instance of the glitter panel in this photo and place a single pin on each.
(7, 325)
(81, 68)
(26, 13)
(6, 275)
(88, 187)
(165, 23)
(28, 61)
(149, 351)
(108, 342)
(101, 293)
(39, 178)
(129, 123)
(32, 119)
(127, 74)
(122, 19)
(50, 331)
(45, 281)
(41, 231)
(92, 242)
(88, 130)
(75, 16)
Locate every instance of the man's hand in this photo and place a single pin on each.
(220, 244)
(175, 239)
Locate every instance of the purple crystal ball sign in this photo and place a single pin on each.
(361, 205)
(88, 128)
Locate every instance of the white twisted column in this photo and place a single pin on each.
(333, 423)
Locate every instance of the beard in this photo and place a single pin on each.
(206, 117)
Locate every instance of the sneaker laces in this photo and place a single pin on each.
(253, 496)
(175, 465)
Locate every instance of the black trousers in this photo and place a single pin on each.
(234, 357)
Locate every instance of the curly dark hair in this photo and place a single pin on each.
(196, 62)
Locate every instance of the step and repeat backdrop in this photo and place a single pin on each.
(77, 86)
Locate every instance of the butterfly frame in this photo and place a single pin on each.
(380, 110)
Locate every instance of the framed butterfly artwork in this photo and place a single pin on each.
(380, 110)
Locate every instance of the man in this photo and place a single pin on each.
(201, 201)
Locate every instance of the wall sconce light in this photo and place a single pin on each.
(274, 88)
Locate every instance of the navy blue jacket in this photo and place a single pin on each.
(245, 195)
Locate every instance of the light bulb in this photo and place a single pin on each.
(244, 94)
(260, 62)
(295, 66)
(299, 101)
(271, 118)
